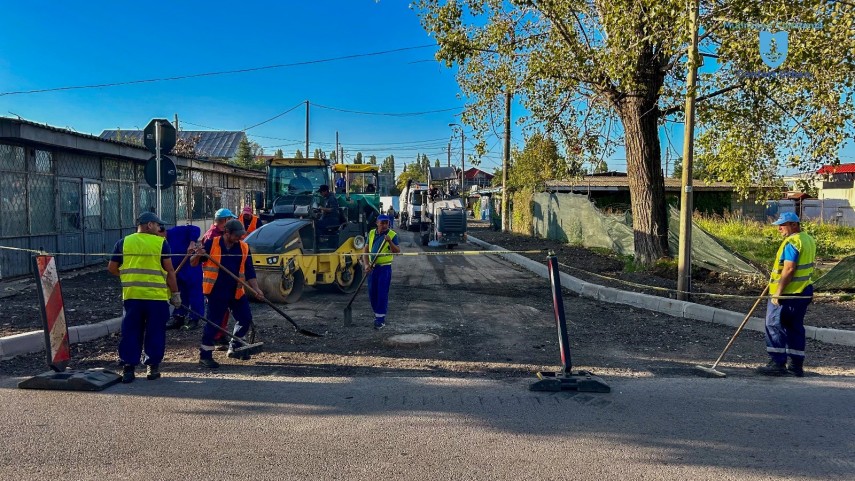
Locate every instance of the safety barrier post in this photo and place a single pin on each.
(56, 338)
(564, 380)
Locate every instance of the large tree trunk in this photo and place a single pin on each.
(646, 184)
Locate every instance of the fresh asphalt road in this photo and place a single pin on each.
(257, 428)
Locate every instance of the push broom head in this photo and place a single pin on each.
(710, 372)
(250, 348)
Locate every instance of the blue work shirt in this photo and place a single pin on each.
(790, 253)
(225, 286)
(179, 238)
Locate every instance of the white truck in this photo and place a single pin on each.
(411, 203)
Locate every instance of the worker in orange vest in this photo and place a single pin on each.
(250, 221)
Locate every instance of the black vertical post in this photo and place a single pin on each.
(558, 307)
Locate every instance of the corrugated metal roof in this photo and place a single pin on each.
(474, 171)
(622, 183)
(837, 169)
(212, 144)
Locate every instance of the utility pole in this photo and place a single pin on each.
(506, 161)
(462, 155)
(176, 122)
(307, 130)
(684, 266)
(449, 154)
(337, 160)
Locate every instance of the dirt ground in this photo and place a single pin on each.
(492, 319)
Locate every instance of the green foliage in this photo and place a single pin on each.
(298, 154)
(319, 154)
(246, 155)
(521, 211)
(582, 68)
(279, 154)
(760, 242)
(412, 171)
(600, 167)
(358, 158)
(538, 162)
(372, 159)
(388, 165)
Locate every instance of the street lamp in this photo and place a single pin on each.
(462, 156)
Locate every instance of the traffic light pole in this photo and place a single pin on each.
(157, 164)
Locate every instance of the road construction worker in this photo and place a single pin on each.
(220, 218)
(328, 208)
(378, 268)
(222, 291)
(182, 240)
(142, 262)
(790, 290)
(250, 221)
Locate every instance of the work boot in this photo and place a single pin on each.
(208, 362)
(175, 322)
(795, 369)
(128, 374)
(152, 372)
(222, 343)
(773, 368)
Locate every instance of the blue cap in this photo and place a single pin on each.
(383, 217)
(786, 217)
(147, 217)
(224, 214)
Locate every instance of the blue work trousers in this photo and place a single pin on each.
(192, 297)
(218, 308)
(379, 281)
(143, 331)
(785, 328)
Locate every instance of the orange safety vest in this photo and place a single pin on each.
(252, 226)
(210, 271)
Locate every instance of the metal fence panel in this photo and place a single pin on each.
(13, 204)
(12, 158)
(42, 199)
(14, 263)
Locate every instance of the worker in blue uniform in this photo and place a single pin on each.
(182, 240)
(142, 262)
(222, 291)
(382, 243)
(791, 291)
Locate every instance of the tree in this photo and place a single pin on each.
(600, 167)
(412, 171)
(279, 154)
(319, 154)
(298, 154)
(186, 146)
(358, 158)
(436, 163)
(388, 165)
(536, 163)
(424, 164)
(372, 159)
(333, 157)
(582, 68)
(244, 157)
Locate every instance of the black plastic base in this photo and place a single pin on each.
(72, 380)
(582, 381)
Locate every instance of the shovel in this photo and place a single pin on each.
(246, 347)
(249, 288)
(348, 311)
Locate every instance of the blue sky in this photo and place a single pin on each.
(50, 44)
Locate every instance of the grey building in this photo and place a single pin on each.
(76, 194)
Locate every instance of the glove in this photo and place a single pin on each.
(175, 300)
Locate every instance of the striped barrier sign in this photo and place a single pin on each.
(53, 313)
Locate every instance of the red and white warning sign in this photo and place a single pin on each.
(53, 313)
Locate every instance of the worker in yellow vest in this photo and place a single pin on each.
(791, 290)
(382, 243)
(223, 292)
(142, 262)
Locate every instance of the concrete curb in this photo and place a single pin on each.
(672, 307)
(34, 341)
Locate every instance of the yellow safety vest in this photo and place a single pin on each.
(381, 260)
(141, 272)
(801, 278)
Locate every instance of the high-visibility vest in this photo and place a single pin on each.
(253, 224)
(211, 271)
(382, 260)
(806, 246)
(141, 272)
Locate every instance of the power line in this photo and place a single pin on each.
(211, 74)
(389, 114)
(274, 117)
